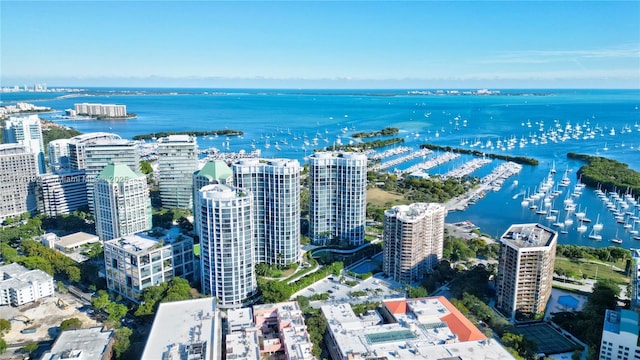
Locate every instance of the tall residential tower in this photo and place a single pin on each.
(337, 197)
(26, 130)
(413, 240)
(177, 160)
(18, 171)
(275, 185)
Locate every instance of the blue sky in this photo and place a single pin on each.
(322, 44)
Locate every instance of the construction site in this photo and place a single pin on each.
(40, 320)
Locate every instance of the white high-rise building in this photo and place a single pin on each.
(26, 130)
(227, 252)
(337, 197)
(61, 193)
(275, 185)
(59, 155)
(213, 172)
(102, 153)
(136, 261)
(18, 173)
(413, 240)
(620, 335)
(122, 205)
(525, 269)
(177, 160)
(76, 146)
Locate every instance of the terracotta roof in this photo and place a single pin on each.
(397, 307)
(459, 324)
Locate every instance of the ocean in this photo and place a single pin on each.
(543, 124)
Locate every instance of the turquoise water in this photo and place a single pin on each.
(298, 121)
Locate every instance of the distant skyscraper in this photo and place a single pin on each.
(26, 130)
(275, 185)
(59, 155)
(100, 154)
(122, 204)
(337, 197)
(525, 269)
(177, 160)
(213, 172)
(227, 244)
(413, 240)
(18, 172)
(61, 193)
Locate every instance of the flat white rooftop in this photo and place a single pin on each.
(184, 328)
(80, 344)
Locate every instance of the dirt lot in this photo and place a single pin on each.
(382, 198)
(46, 316)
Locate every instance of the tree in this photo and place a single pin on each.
(116, 311)
(70, 324)
(417, 292)
(145, 167)
(101, 301)
(3, 346)
(123, 341)
(5, 326)
(29, 347)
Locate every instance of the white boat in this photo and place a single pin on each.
(582, 227)
(598, 225)
(593, 235)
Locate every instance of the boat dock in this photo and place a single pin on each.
(400, 160)
(215, 154)
(390, 152)
(431, 163)
(467, 168)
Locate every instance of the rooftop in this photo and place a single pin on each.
(17, 276)
(529, 235)
(622, 320)
(222, 192)
(134, 243)
(428, 328)
(9, 149)
(117, 173)
(415, 211)
(215, 170)
(93, 136)
(77, 239)
(182, 328)
(80, 344)
(177, 138)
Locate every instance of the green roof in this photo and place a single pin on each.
(115, 173)
(215, 170)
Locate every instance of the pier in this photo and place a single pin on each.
(400, 160)
(467, 168)
(431, 163)
(390, 152)
(215, 154)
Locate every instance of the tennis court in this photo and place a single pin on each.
(365, 267)
(549, 341)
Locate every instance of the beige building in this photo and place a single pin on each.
(18, 171)
(525, 269)
(413, 240)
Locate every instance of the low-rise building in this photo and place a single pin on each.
(93, 343)
(71, 245)
(427, 328)
(189, 329)
(19, 285)
(135, 262)
(620, 335)
(274, 329)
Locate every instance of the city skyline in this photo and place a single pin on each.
(560, 44)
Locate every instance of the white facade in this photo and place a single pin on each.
(102, 153)
(121, 202)
(227, 255)
(275, 185)
(101, 110)
(135, 262)
(27, 131)
(177, 160)
(76, 146)
(59, 155)
(18, 173)
(94, 343)
(413, 240)
(337, 197)
(61, 193)
(19, 286)
(620, 335)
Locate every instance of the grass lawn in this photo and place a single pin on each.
(382, 198)
(579, 267)
(196, 249)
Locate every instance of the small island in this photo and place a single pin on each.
(225, 132)
(384, 132)
(516, 159)
(607, 174)
(365, 145)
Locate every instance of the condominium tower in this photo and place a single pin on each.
(337, 197)
(18, 171)
(26, 130)
(104, 152)
(122, 204)
(212, 172)
(620, 339)
(61, 193)
(275, 185)
(177, 160)
(413, 240)
(59, 155)
(76, 147)
(525, 270)
(227, 256)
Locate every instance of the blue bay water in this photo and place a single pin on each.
(289, 118)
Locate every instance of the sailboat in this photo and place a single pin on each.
(616, 239)
(582, 227)
(598, 225)
(593, 235)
